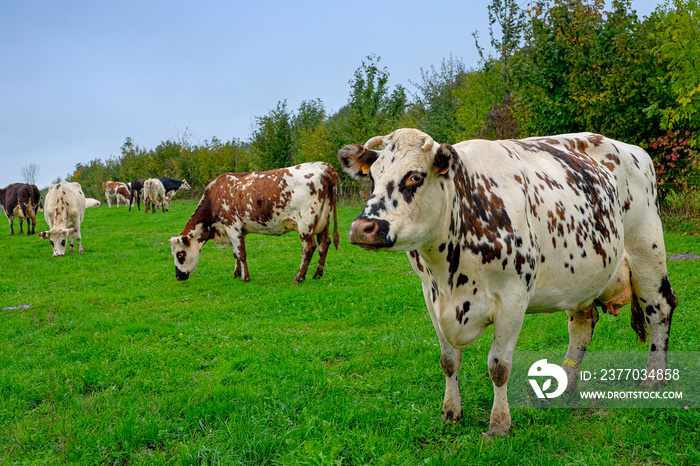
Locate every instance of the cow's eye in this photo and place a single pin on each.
(63, 243)
(181, 257)
(415, 179)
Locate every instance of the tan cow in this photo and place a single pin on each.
(153, 194)
(64, 211)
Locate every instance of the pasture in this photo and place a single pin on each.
(116, 362)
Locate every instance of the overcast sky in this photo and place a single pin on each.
(78, 77)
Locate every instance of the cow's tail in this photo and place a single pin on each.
(638, 321)
(334, 208)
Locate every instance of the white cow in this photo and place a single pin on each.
(91, 202)
(64, 210)
(498, 229)
(153, 194)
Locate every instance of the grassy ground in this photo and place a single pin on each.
(118, 363)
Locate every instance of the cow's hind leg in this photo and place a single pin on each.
(581, 326)
(653, 308)
(653, 299)
(308, 247)
(241, 269)
(324, 243)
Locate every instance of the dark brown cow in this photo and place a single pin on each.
(20, 200)
(300, 198)
(135, 188)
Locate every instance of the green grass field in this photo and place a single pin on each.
(116, 362)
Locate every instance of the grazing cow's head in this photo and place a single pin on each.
(409, 179)
(186, 255)
(58, 238)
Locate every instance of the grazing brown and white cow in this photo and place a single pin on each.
(153, 194)
(117, 190)
(300, 198)
(64, 211)
(498, 229)
(20, 200)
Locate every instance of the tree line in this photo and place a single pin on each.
(559, 66)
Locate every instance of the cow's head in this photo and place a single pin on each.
(409, 179)
(58, 238)
(186, 252)
(185, 185)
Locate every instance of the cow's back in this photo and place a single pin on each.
(272, 202)
(567, 200)
(69, 195)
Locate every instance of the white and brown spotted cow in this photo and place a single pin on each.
(300, 198)
(64, 211)
(153, 195)
(498, 229)
(117, 190)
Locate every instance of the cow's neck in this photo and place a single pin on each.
(200, 223)
(476, 231)
(60, 216)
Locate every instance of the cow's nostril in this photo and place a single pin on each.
(371, 228)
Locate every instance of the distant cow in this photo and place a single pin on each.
(64, 211)
(498, 229)
(91, 202)
(20, 200)
(135, 188)
(300, 198)
(172, 187)
(118, 191)
(153, 194)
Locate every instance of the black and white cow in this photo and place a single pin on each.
(172, 187)
(498, 229)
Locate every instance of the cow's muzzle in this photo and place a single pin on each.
(182, 276)
(370, 233)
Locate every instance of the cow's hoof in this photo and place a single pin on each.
(452, 416)
(495, 434)
(298, 280)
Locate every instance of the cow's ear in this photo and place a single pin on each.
(357, 160)
(443, 159)
(44, 234)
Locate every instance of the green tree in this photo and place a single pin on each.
(434, 110)
(372, 110)
(271, 143)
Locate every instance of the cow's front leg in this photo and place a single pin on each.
(21, 222)
(308, 247)
(450, 362)
(581, 326)
(507, 327)
(78, 240)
